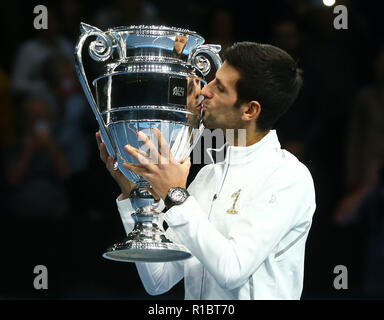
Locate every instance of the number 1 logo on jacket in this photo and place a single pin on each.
(236, 196)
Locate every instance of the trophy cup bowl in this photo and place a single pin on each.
(147, 77)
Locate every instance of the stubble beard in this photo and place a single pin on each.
(208, 121)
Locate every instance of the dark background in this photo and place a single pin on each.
(67, 231)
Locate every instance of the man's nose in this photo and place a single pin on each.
(206, 91)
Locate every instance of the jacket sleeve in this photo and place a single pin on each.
(255, 234)
(157, 278)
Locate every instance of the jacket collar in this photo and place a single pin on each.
(242, 155)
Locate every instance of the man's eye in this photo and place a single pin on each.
(221, 89)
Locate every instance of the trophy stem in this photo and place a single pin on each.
(147, 242)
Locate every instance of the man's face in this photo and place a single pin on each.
(220, 96)
(180, 43)
(193, 101)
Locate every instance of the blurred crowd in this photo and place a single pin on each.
(49, 158)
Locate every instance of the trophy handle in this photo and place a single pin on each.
(99, 50)
(202, 63)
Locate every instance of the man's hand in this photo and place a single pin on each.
(125, 184)
(159, 168)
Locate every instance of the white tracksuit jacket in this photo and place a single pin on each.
(245, 223)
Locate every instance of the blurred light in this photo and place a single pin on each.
(329, 3)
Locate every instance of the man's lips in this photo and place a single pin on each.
(201, 109)
(200, 106)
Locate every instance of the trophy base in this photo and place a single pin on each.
(146, 251)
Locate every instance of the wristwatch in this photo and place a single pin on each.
(175, 196)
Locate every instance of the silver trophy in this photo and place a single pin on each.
(145, 77)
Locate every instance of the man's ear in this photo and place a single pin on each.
(251, 111)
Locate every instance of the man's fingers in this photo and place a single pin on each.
(110, 164)
(102, 148)
(137, 168)
(136, 151)
(153, 193)
(138, 154)
(153, 152)
(187, 162)
(164, 149)
(98, 137)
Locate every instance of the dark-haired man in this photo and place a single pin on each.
(245, 220)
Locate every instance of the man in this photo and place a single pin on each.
(179, 45)
(245, 220)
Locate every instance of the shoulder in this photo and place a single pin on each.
(292, 180)
(290, 170)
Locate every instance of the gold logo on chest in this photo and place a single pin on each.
(236, 196)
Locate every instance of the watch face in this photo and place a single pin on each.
(177, 195)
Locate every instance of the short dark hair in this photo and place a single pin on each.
(267, 74)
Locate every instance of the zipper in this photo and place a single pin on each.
(218, 190)
(203, 276)
(251, 292)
